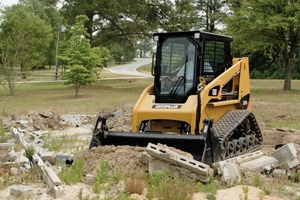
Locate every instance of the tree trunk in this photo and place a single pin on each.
(77, 86)
(287, 75)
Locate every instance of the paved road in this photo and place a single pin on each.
(130, 69)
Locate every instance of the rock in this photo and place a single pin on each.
(20, 191)
(47, 114)
(6, 145)
(15, 171)
(145, 158)
(10, 157)
(230, 173)
(279, 173)
(22, 122)
(89, 179)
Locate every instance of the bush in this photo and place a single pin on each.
(163, 186)
(72, 174)
(135, 184)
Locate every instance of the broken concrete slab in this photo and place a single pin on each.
(57, 191)
(279, 173)
(172, 157)
(61, 158)
(289, 164)
(20, 158)
(240, 159)
(286, 156)
(230, 173)
(49, 156)
(259, 164)
(247, 157)
(19, 136)
(285, 153)
(23, 191)
(50, 177)
(40, 133)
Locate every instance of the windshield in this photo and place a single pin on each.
(176, 66)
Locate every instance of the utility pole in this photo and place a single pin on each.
(60, 30)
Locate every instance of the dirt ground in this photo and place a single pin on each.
(129, 158)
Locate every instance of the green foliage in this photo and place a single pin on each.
(47, 11)
(78, 76)
(122, 53)
(24, 40)
(295, 177)
(117, 174)
(81, 59)
(54, 145)
(163, 186)
(3, 132)
(106, 177)
(269, 28)
(73, 174)
(29, 152)
(210, 189)
(124, 196)
(246, 192)
(257, 181)
(102, 176)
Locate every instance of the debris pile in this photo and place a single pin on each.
(31, 129)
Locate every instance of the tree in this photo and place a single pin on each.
(24, 39)
(211, 14)
(270, 27)
(78, 76)
(79, 57)
(144, 46)
(47, 11)
(127, 21)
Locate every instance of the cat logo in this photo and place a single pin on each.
(166, 106)
(214, 92)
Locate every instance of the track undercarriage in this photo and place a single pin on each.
(236, 133)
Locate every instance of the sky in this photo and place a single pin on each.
(8, 2)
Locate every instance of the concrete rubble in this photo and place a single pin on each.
(28, 133)
(157, 157)
(230, 170)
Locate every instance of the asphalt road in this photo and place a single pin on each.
(130, 69)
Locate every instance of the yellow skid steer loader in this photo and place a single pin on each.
(199, 102)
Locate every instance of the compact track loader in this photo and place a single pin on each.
(199, 102)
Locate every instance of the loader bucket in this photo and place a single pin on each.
(193, 144)
(200, 145)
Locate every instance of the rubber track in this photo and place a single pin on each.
(228, 124)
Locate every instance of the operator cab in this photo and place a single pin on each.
(182, 58)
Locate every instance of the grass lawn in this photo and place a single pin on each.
(271, 106)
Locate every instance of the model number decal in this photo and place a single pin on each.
(166, 106)
(245, 103)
